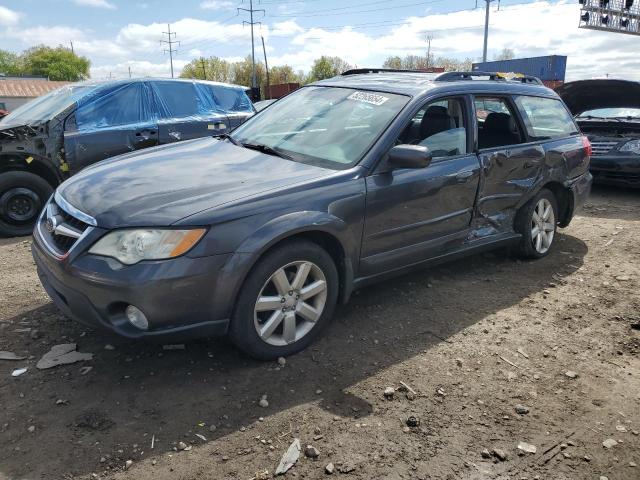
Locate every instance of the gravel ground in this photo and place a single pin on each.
(476, 341)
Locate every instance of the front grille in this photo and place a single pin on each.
(603, 147)
(60, 229)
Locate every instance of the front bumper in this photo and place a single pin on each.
(182, 298)
(617, 169)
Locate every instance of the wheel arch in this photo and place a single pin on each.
(564, 199)
(25, 162)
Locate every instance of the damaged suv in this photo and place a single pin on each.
(57, 135)
(608, 112)
(339, 184)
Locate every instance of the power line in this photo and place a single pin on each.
(251, 10)
(170, 36)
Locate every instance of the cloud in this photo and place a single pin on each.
(216, 4)
(8, 17)
(139, 68)
(95, 3)
(51, 36)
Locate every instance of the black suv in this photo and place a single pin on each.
(339, 184)
(54, 136)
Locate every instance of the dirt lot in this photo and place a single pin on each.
(473, 339)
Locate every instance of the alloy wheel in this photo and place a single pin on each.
(543, 226)
(290, 303)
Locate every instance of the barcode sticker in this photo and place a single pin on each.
(368, 97)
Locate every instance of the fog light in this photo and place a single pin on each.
(136, 317)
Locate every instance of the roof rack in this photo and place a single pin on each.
(496, 76)
(359, 71)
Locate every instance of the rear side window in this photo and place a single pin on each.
(230, 99)
(176, 99)
(545, 118)
(122, 106)
(497, 125)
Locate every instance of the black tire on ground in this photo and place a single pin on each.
(242, 330)
(524, 224)
(33, 192)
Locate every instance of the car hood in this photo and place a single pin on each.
(159, 186)
(585, 95)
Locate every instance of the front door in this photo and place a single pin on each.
(416, 214)
(119, 121)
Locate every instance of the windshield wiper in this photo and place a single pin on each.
(226, 136)
(267, 149)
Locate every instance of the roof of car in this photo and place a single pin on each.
(417, 83)
(126, 81)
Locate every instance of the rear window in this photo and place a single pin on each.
(545, 118)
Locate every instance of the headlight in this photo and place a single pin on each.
(631, 146)
(133, 246)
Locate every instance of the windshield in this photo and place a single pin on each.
(611, 113)
(47, 106)
(325, 126)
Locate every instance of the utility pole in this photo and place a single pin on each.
(266, 66)
(204, 69)
(170, 42)
(71, 42)
(129, 71)
(486, 30)
(251, 10)
(429, 38)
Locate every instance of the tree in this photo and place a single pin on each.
(394, 62)
(9, 63)
(55, 63)
(327, 67)
(283, 74)
(505, 54)
(417, 62)
(215, 68)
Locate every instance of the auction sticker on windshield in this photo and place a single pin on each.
(368, 97)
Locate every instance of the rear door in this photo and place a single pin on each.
(510, 163)
(233, 101)
(117, 121)
(415, 214)
(186, 111)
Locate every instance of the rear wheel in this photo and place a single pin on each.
(287, 299)
(22, 197)
(537, 222)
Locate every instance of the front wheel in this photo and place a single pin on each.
(22, 197)
(537, 222)
(287, 299)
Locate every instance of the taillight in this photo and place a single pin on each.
(587, 146)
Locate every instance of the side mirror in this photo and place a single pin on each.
(410, 156)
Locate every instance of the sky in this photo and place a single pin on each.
(120, 34)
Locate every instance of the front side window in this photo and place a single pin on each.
(326, 126)
(440, 126)
(497, 125)
(545, 118)
(122, 106)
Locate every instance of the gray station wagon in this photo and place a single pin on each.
(55, 136)
(344, 182)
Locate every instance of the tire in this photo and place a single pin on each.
(533, 243)
(266, 281)
(22, 197)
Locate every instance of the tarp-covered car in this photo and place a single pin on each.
(608, 112)
(57, 135)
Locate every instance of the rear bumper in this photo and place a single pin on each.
(622, 169)
(580, 188)
(180, 297)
